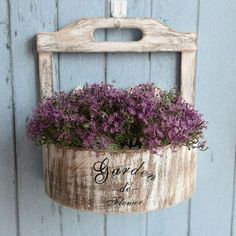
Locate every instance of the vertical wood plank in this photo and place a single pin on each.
(8, 201)
(233, 211)
(78, 69)
(187, 83)
(216, 99)
(46, 74)
(165, 73)
(75, 70)
(126, 70)
(37, 214)
(165, 70)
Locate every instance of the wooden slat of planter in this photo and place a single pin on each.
(78, 37)
(46, 74)
(188, 64)
(70, 179)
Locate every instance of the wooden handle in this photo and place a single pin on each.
(78, 37)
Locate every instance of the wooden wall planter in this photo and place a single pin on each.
(125, 182)
(119, 182)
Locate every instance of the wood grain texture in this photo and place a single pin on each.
(211, 211)
(8, 203)
(75, 69)
(187, 82)
(37, 215)
(97, 182)
(78, 37)
(180, 15)
(78, 68)
(46, 74)
(233, 212)
(124, 70)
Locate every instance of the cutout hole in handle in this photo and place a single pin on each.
(117, 35)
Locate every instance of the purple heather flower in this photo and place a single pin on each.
(100, 116)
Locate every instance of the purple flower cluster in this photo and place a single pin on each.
(99, 116)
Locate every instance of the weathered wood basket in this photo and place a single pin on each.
(119, 182)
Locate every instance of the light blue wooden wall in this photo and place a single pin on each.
(24, 208)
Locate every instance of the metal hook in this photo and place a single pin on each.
(118, 24)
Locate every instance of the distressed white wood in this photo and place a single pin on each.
(187, 82)
(119, 182)
(78, 37)
(46, 74)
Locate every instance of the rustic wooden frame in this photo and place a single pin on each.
(78, 37)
